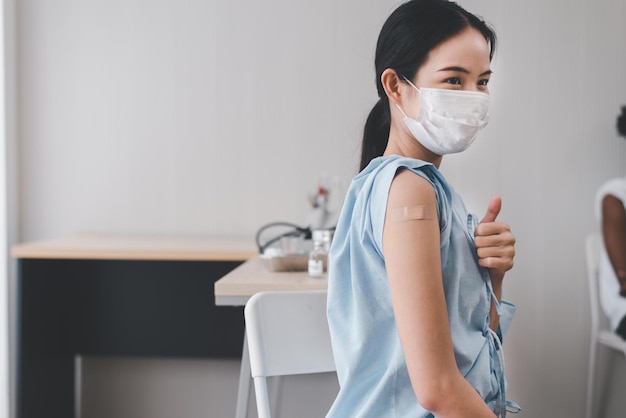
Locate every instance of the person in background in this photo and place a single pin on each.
(414, 288)
(610, 211)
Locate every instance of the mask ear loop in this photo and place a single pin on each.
(415, 87)
(401, 111)
(412, 85)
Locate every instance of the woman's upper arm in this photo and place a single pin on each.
(412, 257)
(411, 248)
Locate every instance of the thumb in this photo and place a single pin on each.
(493, 209)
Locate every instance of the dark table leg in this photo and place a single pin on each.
(47, 384)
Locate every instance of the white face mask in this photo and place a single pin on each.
(449, 120)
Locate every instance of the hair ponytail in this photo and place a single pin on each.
(375, 133)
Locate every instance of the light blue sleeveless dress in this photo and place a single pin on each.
(374, 381)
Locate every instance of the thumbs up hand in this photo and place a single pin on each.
(494, 242)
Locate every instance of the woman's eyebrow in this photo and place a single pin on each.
(463, 70)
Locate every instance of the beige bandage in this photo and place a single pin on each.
(411, 213)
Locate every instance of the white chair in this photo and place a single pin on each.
(601, 333)
(287, 334)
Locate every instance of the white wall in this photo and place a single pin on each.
(9, 211)
(4, 229)
(187, 117)
(215, 117)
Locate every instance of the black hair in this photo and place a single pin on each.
(621, 123)
(406, 38)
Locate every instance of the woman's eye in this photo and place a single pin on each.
(453, 80)
(483, 82)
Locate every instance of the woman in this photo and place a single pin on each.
(414, 281)
(611, 212)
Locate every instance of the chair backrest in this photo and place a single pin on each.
(288, 333)
(593, 248)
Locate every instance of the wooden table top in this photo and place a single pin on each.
(253, 276)
(117, 247)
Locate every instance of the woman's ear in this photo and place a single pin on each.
(392, 85)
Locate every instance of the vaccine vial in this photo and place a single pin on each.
(318, 257)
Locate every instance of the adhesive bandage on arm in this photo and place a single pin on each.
(412, 213)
